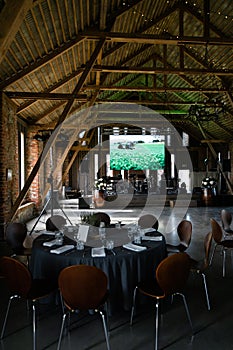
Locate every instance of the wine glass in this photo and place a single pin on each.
(76, 237)
(130, 234)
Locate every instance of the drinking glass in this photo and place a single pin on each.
(110, 244)
(102, 231)
(80, 245)
(59, 238)
(130, 234)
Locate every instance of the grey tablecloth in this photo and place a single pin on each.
(124, 270)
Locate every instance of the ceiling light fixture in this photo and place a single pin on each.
(210, 111)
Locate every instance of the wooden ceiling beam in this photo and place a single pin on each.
(154, 39)
(11, 18)
(41, 62)
(152, 70)
(152, 89)
(61, 119)
(59, 84)
(27, 95)
(150, 24)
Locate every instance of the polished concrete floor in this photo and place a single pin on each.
(212, 329)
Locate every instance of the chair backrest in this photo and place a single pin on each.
(216, 230)
(148, 220)
(55, 223)
(207, 246)
(172, 273)
(82, 287)
(226, 219)
(184, 231)
(16, 233)
(18, 276)
(102, 217)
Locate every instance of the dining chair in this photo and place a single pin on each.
(225, 244)
(184, 231)
(16, 233)
(226, 219)
(102, 217)
(22, 285)
(201, 266)
(83, 288)
(148, 220)
(55, 223)
(171, 277)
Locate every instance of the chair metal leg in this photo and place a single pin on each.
(7, 312)
(157, 325)
(61, 331)
(62, 303)
(206, 291)
(105, 328)
(212, 255)
(106, 314)
(34, 324)
(187, 310)
(223, 263)
(133, 306)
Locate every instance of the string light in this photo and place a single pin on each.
(193, 4)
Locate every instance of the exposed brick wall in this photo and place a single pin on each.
(33, 150)
(8, 158)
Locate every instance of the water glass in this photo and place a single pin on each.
(80, 245)
(59, 238)
(110, 244)
(118, 225)
(130, 234)
(137, 237)
(102, 231)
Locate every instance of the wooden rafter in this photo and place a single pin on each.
(62, 117)
(11, 18)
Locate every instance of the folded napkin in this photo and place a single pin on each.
(98, 252)
(50, 243)
(148, 229)
(134, 247)
(152, 238)
(62, 249)
(45, 232)
(83, 232)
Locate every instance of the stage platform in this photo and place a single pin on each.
(150, 200)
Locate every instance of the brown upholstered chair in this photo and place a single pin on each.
(171, 277)
(199, 267)
(83, 288)
(16, 233)
(226, 219)
(184, 231)
(219, 240)
(148, 220)
(55, 223)
(22, 285)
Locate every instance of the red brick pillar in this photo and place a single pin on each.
(33, 150)
(9, 165)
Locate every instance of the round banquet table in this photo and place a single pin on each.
(124, 268)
